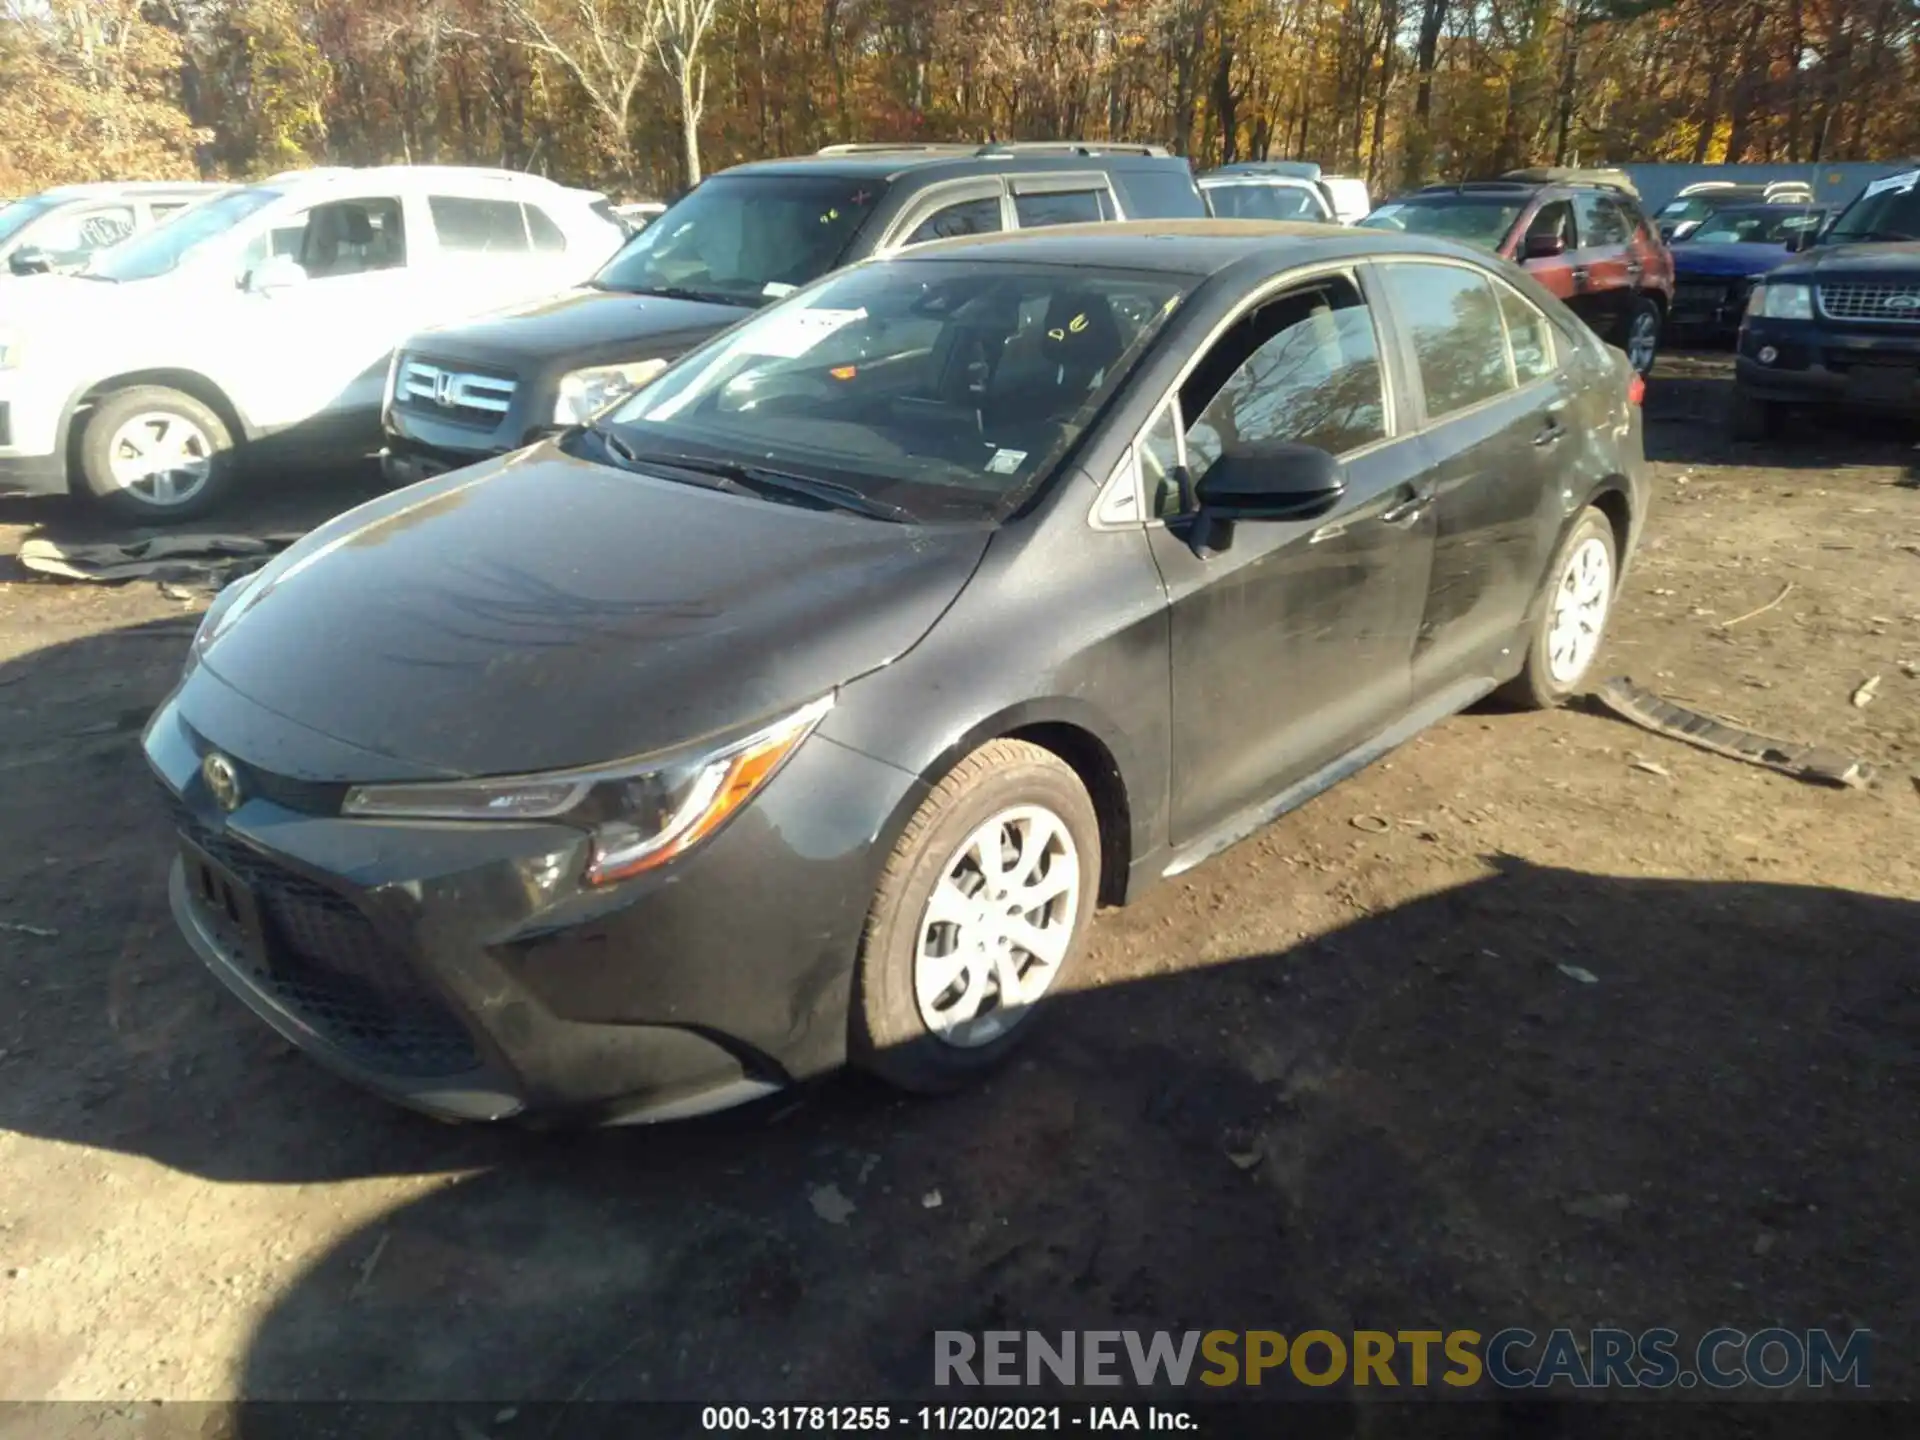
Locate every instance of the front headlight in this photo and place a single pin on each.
(1781, 300)
(585, 393)
(641, 814)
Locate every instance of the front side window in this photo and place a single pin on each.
(1459, 343)
(964, 217)
(1252, 200)
(353, 237)
(163, 248)
(1554, 221)
(1061, 207)
(1471, 219)
(1305, 369)
(76, 234)
(941, 387)
(465, 225)
(745, 239)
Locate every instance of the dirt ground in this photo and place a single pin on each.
(1597, 1028)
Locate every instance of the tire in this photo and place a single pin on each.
(900, 1028)
(1751, 418)
(170, 424)
(1544, 682)
(1642, 333)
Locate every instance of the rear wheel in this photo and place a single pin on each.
(1572, 623)
(978, 917)
(1643, 335)
(1751, 418)
(155, 456)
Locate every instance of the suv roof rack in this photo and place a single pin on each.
(994, 147)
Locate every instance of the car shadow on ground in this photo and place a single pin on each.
(1686, 424)
(1541, 1098)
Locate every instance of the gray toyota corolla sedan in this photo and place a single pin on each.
(803, 707)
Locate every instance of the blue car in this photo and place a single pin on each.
(1716, 264)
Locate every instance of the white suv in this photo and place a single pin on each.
(267, 314)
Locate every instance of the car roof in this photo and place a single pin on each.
(418, 175)
(1184, 247)
(889, 162)
(130, 189)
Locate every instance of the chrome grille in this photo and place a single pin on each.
(1892, 303)
(453, 394)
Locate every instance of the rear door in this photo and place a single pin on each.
(1602, 266)
(959, 207)
(1558, 273)
(1494, 408)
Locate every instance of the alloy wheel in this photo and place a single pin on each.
(160, 459)
(1643, 341)
(1579, 614)
(995, 931)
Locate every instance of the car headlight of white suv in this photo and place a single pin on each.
(585, 393)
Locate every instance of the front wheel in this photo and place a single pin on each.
(155, 455)
(1643, 335)
(978, 916)
(1566, 634)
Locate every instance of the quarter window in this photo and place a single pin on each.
(470, 226)
(1061, 207)
(548, 238)
(964, 217)
(1529, 335)
(1459, 343)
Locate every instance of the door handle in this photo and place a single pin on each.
(1410, 508)
(1551, 431)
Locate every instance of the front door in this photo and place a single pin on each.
(1292, 643)
(1495, 409)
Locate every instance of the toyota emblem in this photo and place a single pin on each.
(223, 781)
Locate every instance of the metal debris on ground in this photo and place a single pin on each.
(932, 1200)
(1372, 824)
(1576, 972)
(1653, 767)
(1785, 590)
(1663, 717)
(205, 562)
(21, 928)
(1864, 693)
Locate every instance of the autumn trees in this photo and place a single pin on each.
(646, 94)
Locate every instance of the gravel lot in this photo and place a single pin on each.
(1597, 1028)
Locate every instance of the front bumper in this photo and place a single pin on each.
(1817, 365)
(1709, 305)
(462, 970)
(31, 459)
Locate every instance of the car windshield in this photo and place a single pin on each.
(1693, 207)
(162, 248)
(745, 239)
(1887, 209)
(1256, 200)
(1757, 225)
(21, 213)
(939, 389)
(1479, 220)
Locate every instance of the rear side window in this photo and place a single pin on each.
(1459, 342)
(1264, 202)
(1062, 207)
(548, 238)
(478, 227)
(1601, 222)
(1529, 335)
(1159, 192)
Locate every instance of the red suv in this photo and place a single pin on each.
(1587, 243)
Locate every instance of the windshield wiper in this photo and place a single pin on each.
(681, 292)
(761, 480)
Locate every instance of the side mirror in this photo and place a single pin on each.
(1271, 480)
(1799, 240)
(30, 260)
(1544, 246)
(277, 272)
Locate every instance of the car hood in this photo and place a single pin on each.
(596, 324)
(55, 302)
(541, 612)
(1897, 258)
(1698, 258)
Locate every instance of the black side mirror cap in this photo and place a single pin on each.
(1271, 480)
(30, 260)
(1543, 247)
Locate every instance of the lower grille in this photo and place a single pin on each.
(1895, 302)
(328, 964)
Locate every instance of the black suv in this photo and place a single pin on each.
(1840, 324)
(736, 242)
